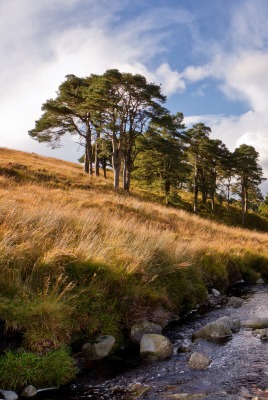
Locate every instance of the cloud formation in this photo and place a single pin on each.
(41, 42)
(44, 41)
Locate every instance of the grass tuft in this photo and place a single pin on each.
(21, 369)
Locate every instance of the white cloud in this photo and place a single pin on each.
(172, 81)
(41, 42)
(244, 77)
(197, 73)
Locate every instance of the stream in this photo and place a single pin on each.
(239, 368)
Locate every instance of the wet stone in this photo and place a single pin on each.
(199, 361)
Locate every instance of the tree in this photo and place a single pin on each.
(196, 138)
(161, 153)
(227, 175)
(129, 103)
(67, 114)
(114, 106)
(248, 174)
(214, 155)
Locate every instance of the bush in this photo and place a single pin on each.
(21, 369)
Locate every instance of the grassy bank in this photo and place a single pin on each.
(78, 259)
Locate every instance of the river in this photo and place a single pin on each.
(239, 368)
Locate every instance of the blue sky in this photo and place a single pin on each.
(210, 56)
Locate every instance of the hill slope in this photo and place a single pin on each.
(78, 259)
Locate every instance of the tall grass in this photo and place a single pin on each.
(78, 262)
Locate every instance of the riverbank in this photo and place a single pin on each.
(238, 369)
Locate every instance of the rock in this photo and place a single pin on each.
(264, 334)
(139, 389)
(199, 361)
(138, 330)
(29, 391)
(222, 328)
(186, 396)
(9, 395)
(154, 347)
(235, 302)
(260, 281)
(215, 293)
(255, 323)
(100, 349)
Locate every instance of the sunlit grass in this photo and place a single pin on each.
(78, 262)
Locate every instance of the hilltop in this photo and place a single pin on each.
(79, 258)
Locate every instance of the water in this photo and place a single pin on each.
(239, 366)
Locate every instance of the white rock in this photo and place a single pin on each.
(99, 349)
(9, 395)
(155, 347)
(29, 391)
(215, 293)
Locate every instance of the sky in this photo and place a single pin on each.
(210, 57)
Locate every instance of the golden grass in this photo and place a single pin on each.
(101, 245)
(114, 229)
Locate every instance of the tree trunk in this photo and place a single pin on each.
(195, 189)
(97, 159)
(127, 169)
(88, 154)
(126, 177)
(116, 160)
(243, 204)
(89, 151)
(167, 190)
(86, 162)
(104, 168)
(116, 177)
(212, 201)
(228, 195)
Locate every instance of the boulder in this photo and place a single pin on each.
(235, 302)
(155, 347)
(222, 328)
(138, 330)
(29, 391)
(255, 323)
(260, 281)
(199, 361)
(101, 348)
(8, 394)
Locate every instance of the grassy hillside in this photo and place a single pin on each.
(78, 259)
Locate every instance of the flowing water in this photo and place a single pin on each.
(239, 367)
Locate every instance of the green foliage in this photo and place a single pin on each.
(249, 175)
(21, 369)
(161, 158)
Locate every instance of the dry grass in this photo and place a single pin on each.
(96, 256)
